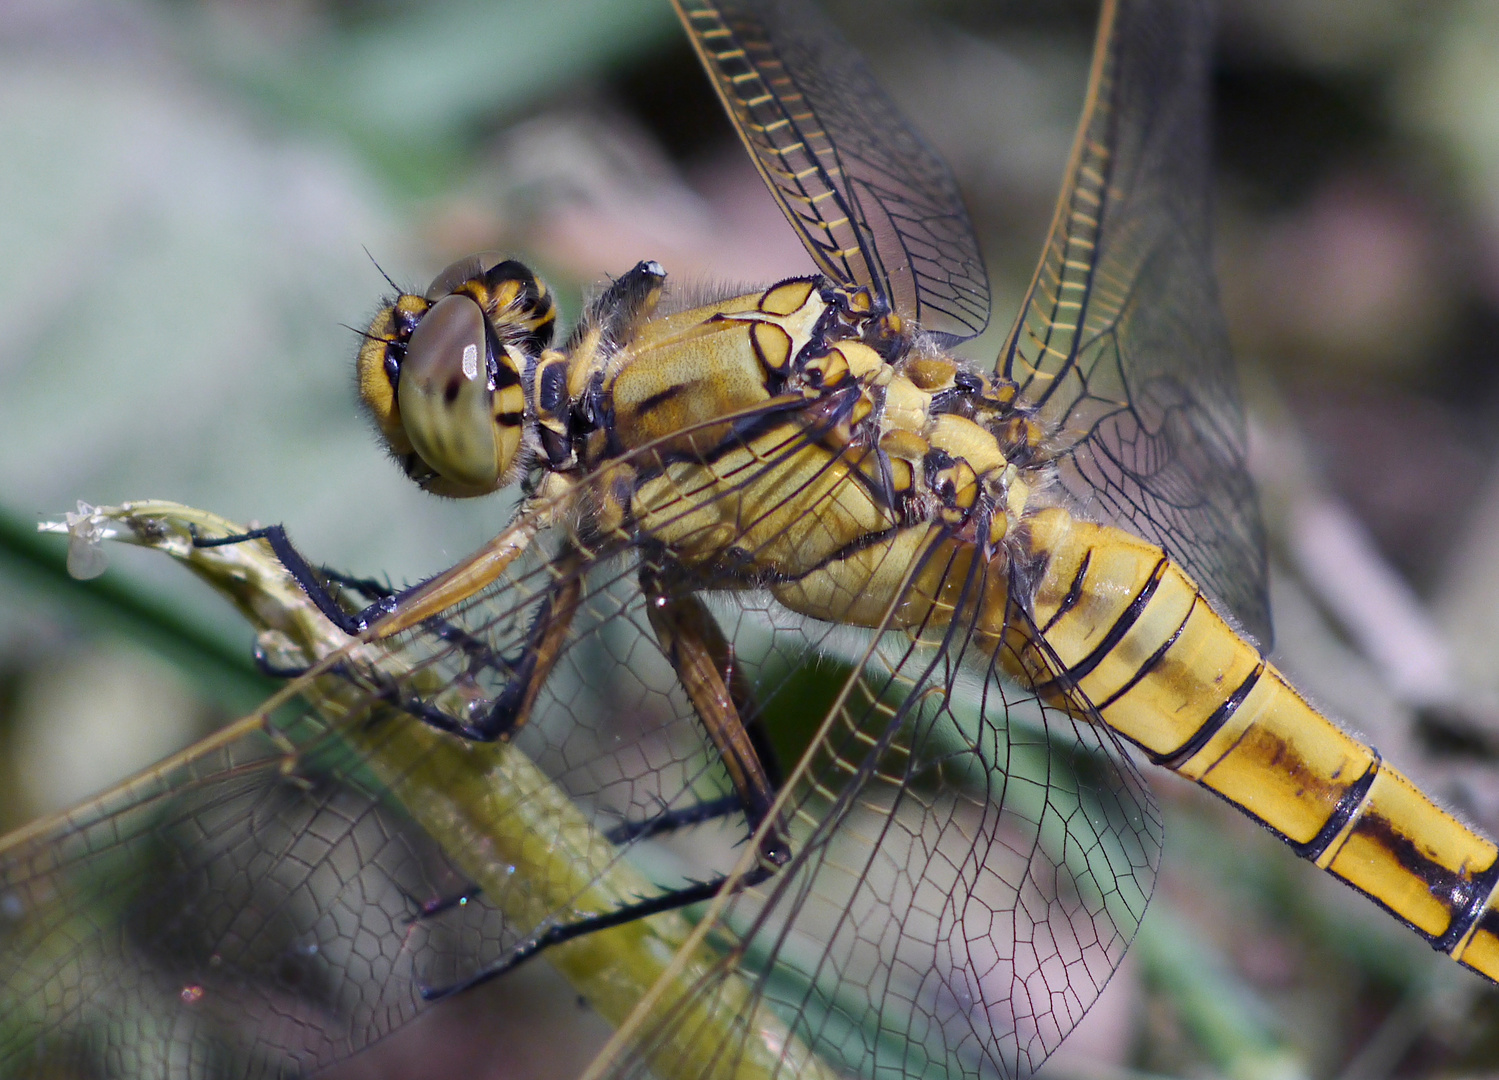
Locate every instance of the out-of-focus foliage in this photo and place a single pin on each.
(187, 192)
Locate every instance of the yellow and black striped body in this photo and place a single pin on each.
(1125, 629)
(1135, 634)
(793, 440)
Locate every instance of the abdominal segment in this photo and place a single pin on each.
(1133, 633)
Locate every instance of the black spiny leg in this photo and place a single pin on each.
(502, 715)
(698, 651)
(665, 822)
(511, 707)
(700, 655)
(383, 599)
(673, 818)
(302, 572)
(557, 933)
(479, 653)
(507, 710)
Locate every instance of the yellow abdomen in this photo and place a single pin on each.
(1137, 637)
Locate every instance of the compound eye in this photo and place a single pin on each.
(522, 311)
(462, 416)
(465, 269)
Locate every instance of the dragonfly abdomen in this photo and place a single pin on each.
(1134, 634)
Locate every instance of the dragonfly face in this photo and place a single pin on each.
(1000, 573)
(441, 373)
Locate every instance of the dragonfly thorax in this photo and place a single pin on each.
(637, 408)
(801, 404)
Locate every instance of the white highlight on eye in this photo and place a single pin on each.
(471, 362)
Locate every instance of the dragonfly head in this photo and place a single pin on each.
(442, 372)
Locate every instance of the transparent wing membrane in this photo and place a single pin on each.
(907, 847)
(276, 900)
(872, 202)
(1120, 345)
(967, 864)
(971, 865)
(247, 910)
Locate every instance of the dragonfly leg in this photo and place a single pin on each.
(502, 715)
(699, 653)
(302, 571)
(672, 819)
(629, 298)
(558, 933)
(369, 587)
(431, 909)
(266, 666)
(382, 597)
(704, 662)
(666, 821)
(478, 652)
(511, 707)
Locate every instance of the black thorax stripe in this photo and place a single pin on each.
(1074, 592)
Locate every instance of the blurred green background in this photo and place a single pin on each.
(193, 198)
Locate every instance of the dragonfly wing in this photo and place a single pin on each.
(967, 863)
(873, 203)
(288, 891)
(1120, 345)
(970, 866)
(248, 904)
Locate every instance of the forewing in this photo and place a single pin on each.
(1120, 345)
(873, 203)
(970, 866)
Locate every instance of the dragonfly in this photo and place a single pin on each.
(845, 647)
